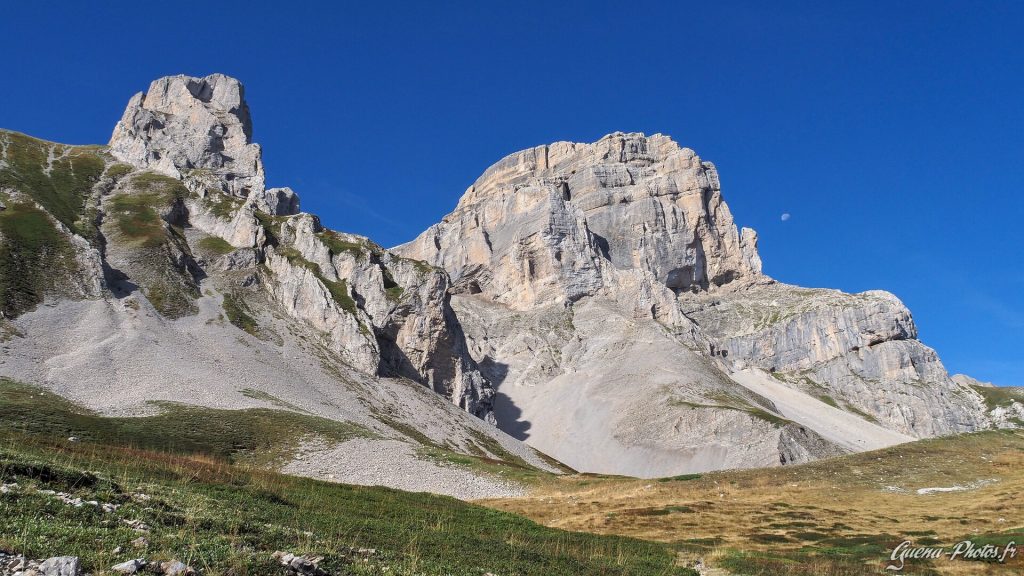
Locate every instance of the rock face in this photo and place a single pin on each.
(188, 166)
(645, 332)
(553, 223)
(860, 349)
(387, 315)
(360, 296)
(183, 124)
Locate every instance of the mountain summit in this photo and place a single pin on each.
(625, 320)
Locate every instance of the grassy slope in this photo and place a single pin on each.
(60, 179)
(35, 258)
(62, 185)
(34, 252)
(157, 249)
(227, 519)
(839, 516)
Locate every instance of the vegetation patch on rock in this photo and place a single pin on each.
(35, 258)
(58, 177)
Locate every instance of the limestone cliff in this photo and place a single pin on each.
(556, 223)
(685, 338)
(176, 204)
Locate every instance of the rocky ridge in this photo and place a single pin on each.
(362, 297)
(160, 268)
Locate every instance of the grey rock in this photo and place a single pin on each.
(608, 235)
(129, 567)
(175, 568)
(60, 566)
(184, 124)
(242, 259)
(861, 349)
(282, 201)
(399, 322)
(199, 130)
(554, 223)
(965, 380)
(302, 565)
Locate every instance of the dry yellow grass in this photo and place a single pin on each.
(841, 516)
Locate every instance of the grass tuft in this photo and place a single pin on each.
(216, 245)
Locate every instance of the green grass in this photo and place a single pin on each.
(829, 400)
(421, 267)
(137, 219)
(227, 519)
(1000, 396)
(172, 297)
(730, 402)
(136, 210)
(338, 245)
(777, 421)
(157, 249)
(861, 413)
(254, 435)
(394, 293)
(170, 188)
(62, 191)
(791, 563)
(271, 227)
(35, 258)
(497, 450)
(269, 398)
(216, 245)
(239, 314)
(222, 205)
(339, 292)
(118, 170)
(680, 478)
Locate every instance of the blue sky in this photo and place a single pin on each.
(892, 132)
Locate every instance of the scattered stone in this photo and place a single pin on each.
(175, 568)
(129, 567)
(137, 525)
(300, 565)
(140, 542)
(59, 566)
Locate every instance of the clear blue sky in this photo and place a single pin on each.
(892, 132)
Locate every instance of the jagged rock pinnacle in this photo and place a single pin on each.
(184, 124)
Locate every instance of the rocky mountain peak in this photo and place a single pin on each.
(186, 126)
(564, 220)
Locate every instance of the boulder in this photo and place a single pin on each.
(129, 567)
(60, 566)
